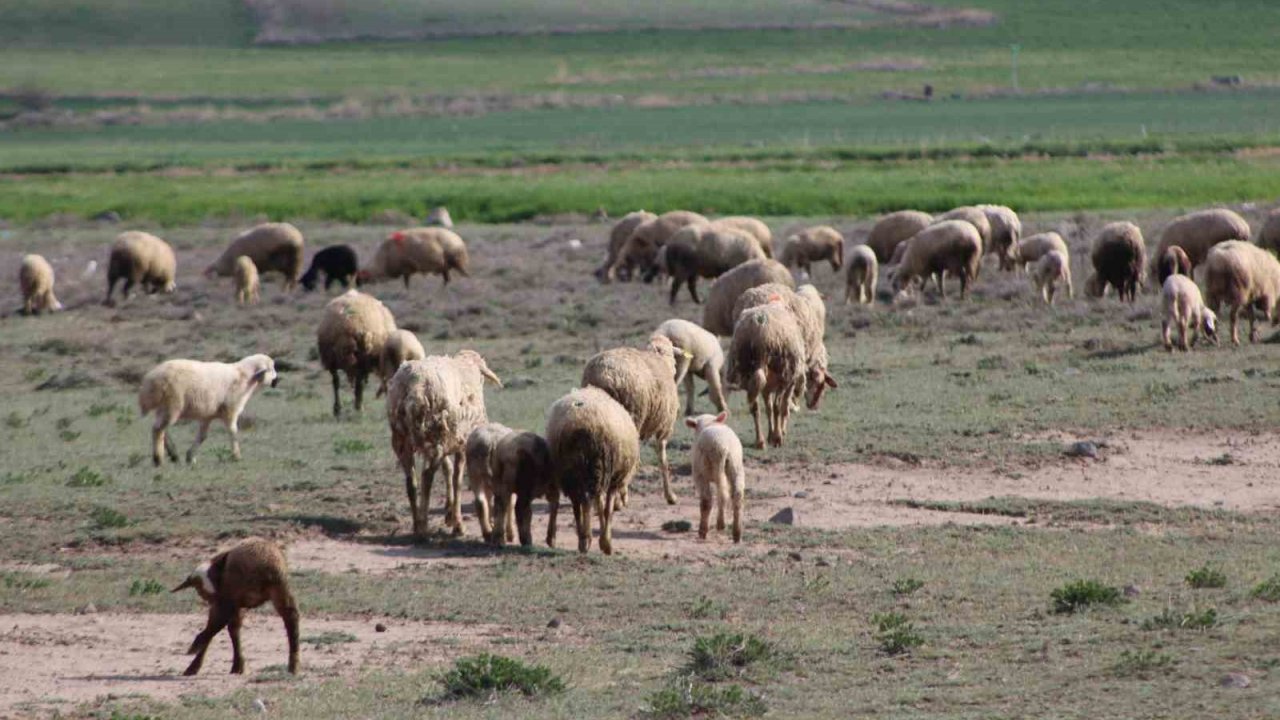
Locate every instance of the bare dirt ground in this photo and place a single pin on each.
(53, 662)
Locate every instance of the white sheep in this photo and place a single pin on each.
(717, 313)
(1184, 307)
(718, 471)
(948, 246)
(242, 578)
(1006, 229)
(811, 245)
(432, 406)
(751, 226)
(273, 247)
(1269, 235)
(428, 250)
(248, 287)
(973, 215)
(35, 279)
(203, 392)
(1242, 275)
(641, 248)
(439, 217)
(861, 277)
(1033, 247)
(704, 251)
(1051, 269)
(141, 258)
(1197, 232)
(894, 229)
(350, 339)
(810, 314)
(481, 453)
(618, 236)
(400, 347)
(767, 359)
(706, 359)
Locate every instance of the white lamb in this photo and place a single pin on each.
(718, 471)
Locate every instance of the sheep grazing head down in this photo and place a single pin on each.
(476, 359)
(680, 359)
(1209, 325)
(817, 381)
(698, 423)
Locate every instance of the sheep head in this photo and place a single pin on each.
(261, 369)
(701, 422)
(1209, 325)
(817, 381)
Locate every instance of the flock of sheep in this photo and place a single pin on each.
(589, 449)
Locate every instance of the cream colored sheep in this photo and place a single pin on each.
(1118, 255)
(718, 471)
(400, 347)
(644, 381)
(811, 245)
(894, 229)
(1184, 307)
(350, 339)
(973, 215)
(706, 359)
(595, 450)
(1243, 276)
(1174, 261)
(439, 217)
(242, 578)
(35, 279)
(1031, 249)
(949, 246)
(861, 277)
(273, 247)
(248, 290)
(705, 251)
(430, 251)
(522, 467)
(751, 226)
(717, 313)
(141, 258)
(432, 406)
(617, 239)
(201, 391)
(1051, 269)
(810, 313)
(767, 359)
(481, 452)
(1006, 229)
(1197, 232)
(1269, 236)
(641, 248)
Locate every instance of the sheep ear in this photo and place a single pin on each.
(724, 415)
(830, 381)
(259, 376)
(691, 422)
(489, 374)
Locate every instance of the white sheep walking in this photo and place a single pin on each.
(718, 471)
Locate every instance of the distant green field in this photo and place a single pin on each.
(71, 23)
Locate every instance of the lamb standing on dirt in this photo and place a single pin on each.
(618, 236)
(706, 361)
(430, 251)
(1242, 275)
(481, 453)
(811, 245)
(141, 258)
(352, 333)
(595, 450)
(35, 279)
(953, 246)
(1051, 269)
(239, 579)
(644, 381)
(718, 471)
(767, 359)
(706, 251)
(1118, 255)
(1031, 249)
(1184, 306)
(502, 463)
(717, 313)
(339, 263)
(1006, 229)
(1197, 232)
(432, 406)
(861, 277)
(1174, 261)
(401, 347)
(248, 289)
(204, 392)
(641, 248)
(273, 247)
(894, 229)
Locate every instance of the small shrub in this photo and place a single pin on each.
(1078, 595)
(704, 607)
(725, 655)
(485, 675)
(677, 526)
(136, 459)
(906, 586)
(1141, 663)
(106, 518)
(99, 409)
(686, 697)
(351, 446)
(1268, 589)
(1206, 577)
(14, 420)
(24, 581)
(85, 477)
(145, 587)
(1171, 619)
(14, 478)
(332, 637)
(223, 455)
(895, 633)
(68, 435)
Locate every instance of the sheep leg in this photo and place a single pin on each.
(219, 616)
(688, 393)
(200, 436)
(1182, 333)
(1166, 335)
(337, 403)
(582, 522)
(111, 288)
(233, 629)
(704, 507)
(553, 511)
(160, 441)
(509, 512)
(128, 287)
(660, 445)
(964, 287)
(675, 288)
(1253, 330)
(424, 493)
(722, 486)
(753, 386)
(693, 290)
(359, 380)
(482, 514)
(455, 493)
(1235, 332)
(604, 509)
(233, 427)
(733, 475)
(287, 609)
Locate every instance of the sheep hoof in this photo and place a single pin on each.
(671, 499)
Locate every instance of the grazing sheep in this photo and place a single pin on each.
(644, 381)
(1031, 249)
(439, 217)
(767, 359)
(481, 453)
(204, 392)
(706, 361)
(339, 263)
(860, 278)
(952, 246)
(430, 251)
(641, 248)
(810, 313)
(248, 288)
(523, 468)
(1006, 228)
(401, 347)
(1269, 236)
(899, 252)
(973, 215)
(617, 240)
(595, 450)
(717, 313)
(811, 245)
(1242, 275)
(1184, 306)
(696, 251)
(1174, 261)
(1197, 232)
(242, 578)
(718, 471)
(1051, 269)
(141, 258)
(751, 226)
(432, 406)
(893, 229)
(35, 279)
(350, 339)
(273, 247)
(1118, 255)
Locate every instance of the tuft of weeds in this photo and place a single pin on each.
(24, 581)
(895, 633)
(686, 696)
(1268, 589)
(86, 477)
(1206, 576)
(145, 587)
(14, 478)
(136, 459)
(105, 518)
(223, 455)
(1141, 663)
(15, 421)
(1082, 594)
(704, 607)
(351, 446)
(1171, 619)
(906, 586)
(332, 637)
(100, 409)
(726, 655)
(484, 676)
(677, 526)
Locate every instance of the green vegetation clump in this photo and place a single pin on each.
(728, 655)
(145, 587)
(906, 586)
(1141, 663)
(688, 697)
(483, 676)
(1206, 576)
(86, 477)
(1268, 589)
(1082, 594)
(1171, 619)
(896, 634)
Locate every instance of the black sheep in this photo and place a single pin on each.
(337, 262)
